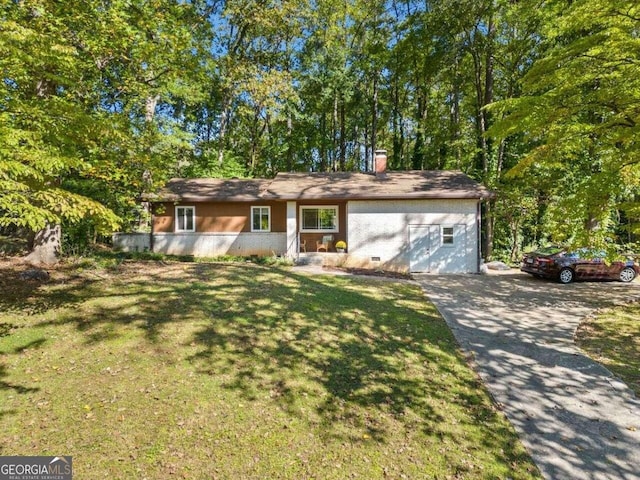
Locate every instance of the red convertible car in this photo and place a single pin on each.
(583, 264)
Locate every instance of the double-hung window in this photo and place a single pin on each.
(319, 218)
(260, 219)
(185, 219)
(447, 236)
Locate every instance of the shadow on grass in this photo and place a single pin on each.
(5, 330)
(363, 354)
(23, 298)
(611, 338)
(12, 386)
(27, 297)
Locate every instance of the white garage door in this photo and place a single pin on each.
(437, 248)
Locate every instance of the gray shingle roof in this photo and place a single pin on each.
(391, 185)
(417, 184)
(211, 189)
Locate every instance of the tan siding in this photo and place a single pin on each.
(278, 216)
(163, 214)
(219, 217)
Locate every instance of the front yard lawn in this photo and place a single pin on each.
(233, 371)
(613, 338)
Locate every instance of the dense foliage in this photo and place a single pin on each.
(81, 83)
(537, 99)
(579, 109)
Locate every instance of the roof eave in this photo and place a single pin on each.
(274, 198)
(196, 199)
(407, 196)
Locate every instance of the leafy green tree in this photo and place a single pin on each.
(82, 83)
(42, 123)
(581, 107)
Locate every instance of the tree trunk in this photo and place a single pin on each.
(150, 108)
(289, 141)
(46, 246)
(487, 247)
(334, 134)
(368, 159)
(456, 132)
(488, 91)
(323, 136)
(343, 140)
(482, 161)
(224, 124)
(422, 98)
(515, 226)
(374, 119)
(397, 148)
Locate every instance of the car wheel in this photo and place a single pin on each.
(627, 274)
(566, 275)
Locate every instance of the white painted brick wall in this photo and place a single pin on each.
(131, 242)
(381, 229)
(217, 244)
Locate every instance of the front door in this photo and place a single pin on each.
(420, 244)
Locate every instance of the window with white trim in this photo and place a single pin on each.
(319, 218)
(260, 219)
(447, 236)
(185, 219)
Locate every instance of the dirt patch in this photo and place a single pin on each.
(13, 282)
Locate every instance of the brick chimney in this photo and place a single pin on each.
(380, 162)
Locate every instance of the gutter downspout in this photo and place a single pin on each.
(153, 221)
(478, 235)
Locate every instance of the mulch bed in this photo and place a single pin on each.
(372, 273)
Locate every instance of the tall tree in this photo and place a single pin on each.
(81, 85)
(581, 104)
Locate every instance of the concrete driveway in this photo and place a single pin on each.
(576, 419)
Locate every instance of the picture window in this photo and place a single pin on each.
(319, 219)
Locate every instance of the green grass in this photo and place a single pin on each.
(233, 371)
(613, 339)
(104, 257)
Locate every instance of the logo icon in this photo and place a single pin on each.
(36, 468)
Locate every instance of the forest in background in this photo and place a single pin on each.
(103, 100)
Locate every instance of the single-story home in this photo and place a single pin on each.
(417, 221)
